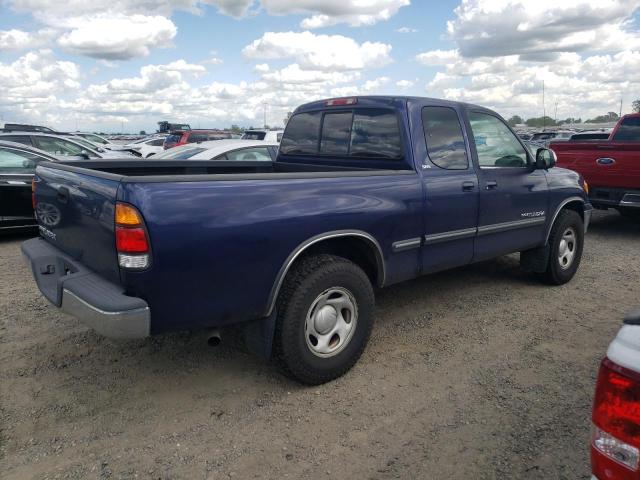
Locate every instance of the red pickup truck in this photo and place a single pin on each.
(611, 167)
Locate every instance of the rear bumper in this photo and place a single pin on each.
(80, 292)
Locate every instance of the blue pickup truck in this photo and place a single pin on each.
(365, 192)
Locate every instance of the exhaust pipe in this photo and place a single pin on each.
(213, 337)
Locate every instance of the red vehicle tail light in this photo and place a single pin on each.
(615, 447)
(132, 242)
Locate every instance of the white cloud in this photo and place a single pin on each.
(540, 28)
(375, 84)
(438, 57)
(407, 30)
(404, 84)
(118, 37)
(294, 74)
(325, 13)
(212, 61)
(319, 52)
(261, 68)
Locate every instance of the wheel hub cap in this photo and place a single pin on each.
(331, 322)
(325, 319)
(567, 248)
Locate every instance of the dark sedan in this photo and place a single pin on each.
(17, 166)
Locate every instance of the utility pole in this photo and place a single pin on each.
(555, 116)
(620, 107)
(265, 114)
(544, 110)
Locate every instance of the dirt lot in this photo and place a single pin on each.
(479, 372)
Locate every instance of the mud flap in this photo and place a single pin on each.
(258, 335)
(536, 259)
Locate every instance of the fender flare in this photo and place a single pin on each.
(284, 269)
(555, 215)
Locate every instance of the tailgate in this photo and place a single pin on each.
(602, 164)
(75, 213)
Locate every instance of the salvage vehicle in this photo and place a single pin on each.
(244, 150)
(615, 442)
(61, 145)
(17, 167)
(262, 134)
(611, 167)
(175, 139)
(365, 192)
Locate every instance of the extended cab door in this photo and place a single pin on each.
(450, 188)
(513, 195)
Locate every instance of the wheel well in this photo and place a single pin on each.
(359, 250)
(576, 206)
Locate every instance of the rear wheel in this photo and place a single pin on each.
(325, 317)
(566, 243)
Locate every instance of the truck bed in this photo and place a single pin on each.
(193, 170)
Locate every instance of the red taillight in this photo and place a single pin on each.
(616, 418)
(131, 240)
(336, 102)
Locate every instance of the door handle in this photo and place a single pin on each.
(605, 161)
(468, 186)
(606, 147)
(491, 185)
(63, 195)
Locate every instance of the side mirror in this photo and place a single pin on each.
(545, 159)
(84, 154)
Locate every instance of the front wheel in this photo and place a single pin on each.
(325, 317)
(566, 242)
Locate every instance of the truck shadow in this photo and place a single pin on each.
(614, 225)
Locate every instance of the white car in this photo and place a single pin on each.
(264, 135)
(615, 443)
(148, 147)
(244, 150)
(138, 145)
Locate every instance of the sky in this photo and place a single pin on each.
(114, 65)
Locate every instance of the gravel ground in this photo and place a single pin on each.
(480, 372)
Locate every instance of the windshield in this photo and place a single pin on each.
(94, 138)
(254, 135)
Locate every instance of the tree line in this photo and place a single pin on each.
(547, 121)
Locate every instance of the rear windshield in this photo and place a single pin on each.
(352, 133)
(628, 131)
(254, 135)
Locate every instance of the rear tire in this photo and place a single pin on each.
(566, 243)
(324, 318)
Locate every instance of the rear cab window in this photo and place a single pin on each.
(628, 131)
(351, 135)
(250, 135)
(445, 142)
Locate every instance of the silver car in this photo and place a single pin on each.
(61, 146)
